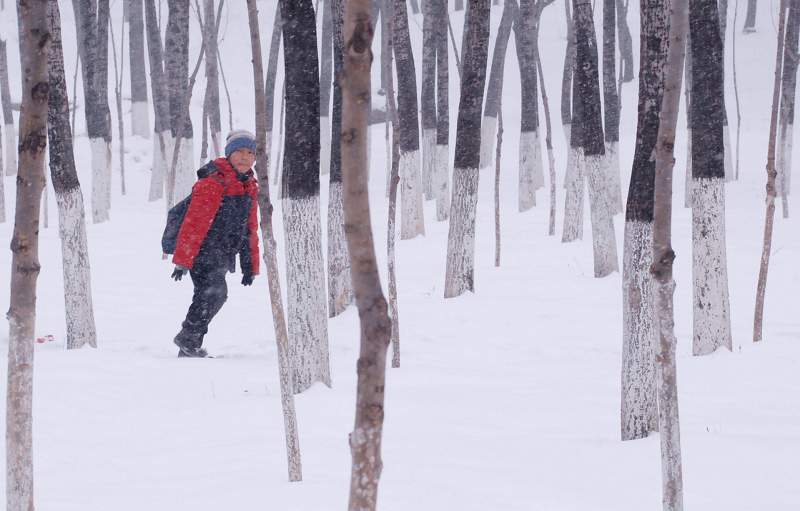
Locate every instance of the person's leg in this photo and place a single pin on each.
(210, 293)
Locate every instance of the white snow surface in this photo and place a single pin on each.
(507, 399)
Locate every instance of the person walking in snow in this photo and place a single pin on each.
(221, 221)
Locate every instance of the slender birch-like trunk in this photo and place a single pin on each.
(625, 42)
(442, 184)
(428, 97)
(270, 253)
(272, 72)
(365, 440)
(712, 326)
(8, 118)
(212, 75)
(325, 80)
(663, 257)
(140, 118)
(611, 107)
(460, 268)
(551, 161)
(412, 220)
(783, 163)
(340, 282)
(71, 217)
(494, 88)
(639, 411)
(118, 76)
(305, 273)
(162, 141)
(769, 217)
(34, 47)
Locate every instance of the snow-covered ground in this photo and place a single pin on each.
(506, 399)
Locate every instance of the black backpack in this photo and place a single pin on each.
(175, 218)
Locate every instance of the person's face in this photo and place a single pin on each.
(242, 159)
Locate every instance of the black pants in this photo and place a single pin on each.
(210, 293)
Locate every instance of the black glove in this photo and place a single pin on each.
(247, 279)
(179, 272)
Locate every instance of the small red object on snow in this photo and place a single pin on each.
(46, 338)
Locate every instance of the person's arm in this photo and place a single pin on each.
(206, 199)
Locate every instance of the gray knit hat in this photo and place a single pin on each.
(239, 139)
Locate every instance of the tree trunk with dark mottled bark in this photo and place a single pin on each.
(140, 118)
(162, 141)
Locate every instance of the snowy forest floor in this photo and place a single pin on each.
(506, 399)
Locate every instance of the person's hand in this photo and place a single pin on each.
(179, 272)
(247, 279)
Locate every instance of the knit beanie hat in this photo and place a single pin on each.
(239, 139)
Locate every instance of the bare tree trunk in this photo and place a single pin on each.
(365, 440)
(453, 42)
(758, 320)
(709, 268)
(531, 173)
(428, 96)
(588, 86)
(442, 179)
(736, 91)
(497, 188)
(340, 282)
(272, 71)
(305, 276)
(625, 42)
(412, 221)
(551, 161)
(750, 17)
(325, 80)
(2, 189)
(663, 257)
(140, 119)
(270, 253)
(783, 162)
(460, 269)
(71, 217)
(722, 11)
(611, 107)
(162, 141)
(212, 75)
(227, 92)
(8, 117)
(639, 411)
(34, 47)
(118, 71)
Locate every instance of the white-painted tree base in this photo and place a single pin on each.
(77, 275)
(639, 411)
(307, 317)
(140, 119)
(11, 149)
(712, 324)
(488, 139)
(687, 198)
(783, 162)
(186, 171)
(530, 168)
(340, 285)
(611, 168)
(573, 202)
(324, 145)
(412, 220)
(604, 240)
(159, 166)
(442, 185)
(460, 269)
(570, 155)
(101, 179)
(428, 162)
(730, 169)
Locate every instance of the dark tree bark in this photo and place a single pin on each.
(711, 306)
(566, 77)
(750, 17)
(8, 118)
(139, 118)
(611, 107)
(212, 76)
(305, 267)
(161, 126)
(428, 97)
(365, 440)
(591, 137)
(176, 66)
(325, 77)
(414, 6)
(639, 414)
(72, 224)
(442, 184)
(34, 47)
(270, 253)
(786, 119)
(412, 221)
(340, 282)
(495, 86)
(272, 72)
(460, 269)
(625, 42)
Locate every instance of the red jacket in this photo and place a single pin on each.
(222, 220)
